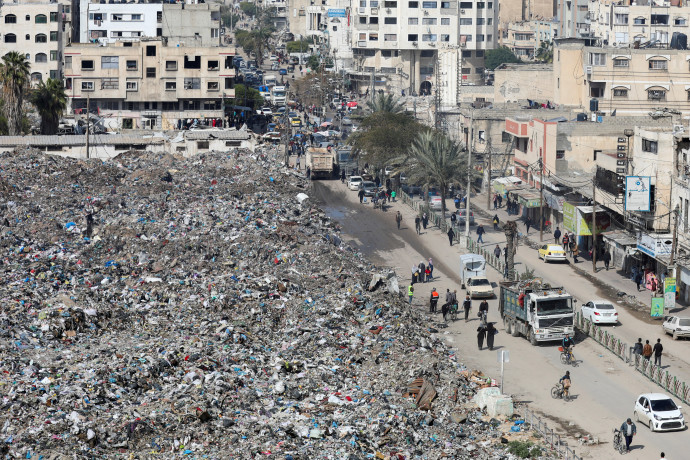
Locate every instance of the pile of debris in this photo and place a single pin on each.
(159, 305)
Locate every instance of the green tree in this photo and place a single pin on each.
(384, 103)
(14, 77)
(384, 136)
(254, 41)
(499, 56)
(300, 46)
(434, 159)
(50, 100)
(545, 52)
(250, 9)
(229, 16)
(246, 97)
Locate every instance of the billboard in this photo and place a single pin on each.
(336, 13)
(637, 193)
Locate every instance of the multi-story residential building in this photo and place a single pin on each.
(629, 81)
(39, 30)
(190, 24)
(526, 37)
(573, 18)
(279, 13)
(148, 83)
(620, 24)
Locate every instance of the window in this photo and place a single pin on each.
(116, 17)
(109, 62)
(229, 83)
(212, 86)
(658, 64)
(429, 21)
(214, 33)
(560, 154)
(680, 22)
(10, 38)
(87, 86)
(479, 70)
(202, 144)
(620, 19)
(373, 20)
(170, 65)
(445, 37)
(412, 21)
(110, 105)
(68, 62)
(10, 19)
(41, 38)
(363, 36)
(412, 37)
(621, 62)
(150, 50)
(41, 19)
(506, 137)
(465, 70)
(445, 4)
(479, 53)
(390, 38)
(132, 105)
(87, 64)
(390, 21)
(53, 74)
(169, 106)
(620, 92)
(390, 4)
(41, 57)
(480, 22)
(373, 37)
(467, 54)
(132, 65)
(191, 105)
(211, 105)
(54, 55)
(54, 16)
(362, 3)
(597, 59)
(192, 63)
(150, 72)
(429, 37)
(480, 37)
(445, 21)
(466, 5)
(429, 4)
(110, 83)
(170, 85)
(136, 17)
(362, 19)
(465, 21)
(53, 36)
(649, 146)
(28, 18)
(413, 4)
(481, 5)
(639, 21)
(192, 83)
(213, 65)
(132, 86)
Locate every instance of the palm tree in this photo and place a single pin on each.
(14, 77)
(384, 103)
(50, 101)
(433, 158)
(545, 52)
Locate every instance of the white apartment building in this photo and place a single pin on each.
(646, 20)
(147, 84)
(573, 18)
(397, 43)
(38, 30)
(191, 24)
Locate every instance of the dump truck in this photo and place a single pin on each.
(322, 163)
(536, 310)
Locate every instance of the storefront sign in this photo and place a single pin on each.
(637, 193)
(336, 13)
(657, 307)
(669, 293)
(569, 216)
(654, 245)
(578, 219)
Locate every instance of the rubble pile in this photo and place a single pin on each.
(203, 307)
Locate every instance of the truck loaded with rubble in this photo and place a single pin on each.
(156, 306)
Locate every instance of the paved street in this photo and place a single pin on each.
(604, 386)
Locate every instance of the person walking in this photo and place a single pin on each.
(427, 274)
(637, 349)
(556, 235)
(451, 235)
(528, 224)
(497, 252)
(647, 350)
(483, 310)
(433, 300)
(417, 224)
(414, 274)
(629, 430)
(496, 221)
(490, 333)
(421, 269)
(410, 292)
(480, 233)
(638, 279)
(361, 195)
(607, 259)
(425, 220)
(576, 252)
(467, 306)
(658, 348)
(500, 200)
(495, 201)
(431, 268)
(444, 310)
(398, 219)
(481, 335)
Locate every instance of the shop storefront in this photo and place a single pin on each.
(653, 257)
(621, 245)
(578, 220)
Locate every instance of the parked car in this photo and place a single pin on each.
(677, 326)
(368, 187)
(296, 122)
(461, 217)
(347, 121)
(282, 71)
(354, 182)
(435, 203)
(552, 252)
(265, 111)
(659, 412)
(600, 312)
(479, 286)
(273, 57)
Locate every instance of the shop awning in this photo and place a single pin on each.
(528, 198)
(503, 185)
(621, 238)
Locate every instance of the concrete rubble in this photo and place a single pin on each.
(205, 308)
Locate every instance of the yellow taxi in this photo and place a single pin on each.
(296, 121)
(552, 252)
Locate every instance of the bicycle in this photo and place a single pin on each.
(558, 392)
(619, 441)
(454, 312)
(567, 357)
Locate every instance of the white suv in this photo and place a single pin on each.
(354, 182)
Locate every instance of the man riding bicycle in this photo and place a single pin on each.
(568, 345)
(565, 381)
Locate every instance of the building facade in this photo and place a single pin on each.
(148, 84)
(573, 18)
(525, 38)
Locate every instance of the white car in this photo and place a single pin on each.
(677, 326)
(600, 312)
(435, 203)
(659, 412)
(479, 286)
(266, 111)
(354, 182)
(273, 57)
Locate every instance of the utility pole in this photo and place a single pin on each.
(488, 178)
(594, 224)
(541, 200)
(88, 100)
(510, 229)
(470, 144)
(437, 97)
(674, 242)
